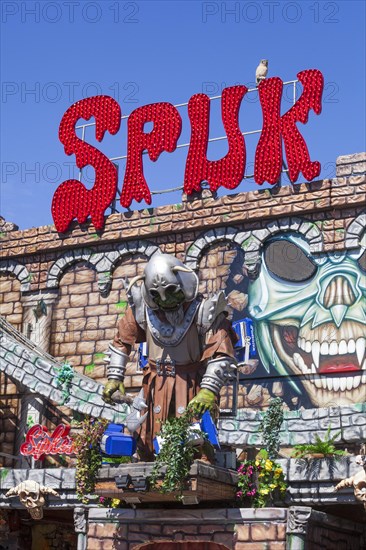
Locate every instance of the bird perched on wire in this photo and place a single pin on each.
(261, 71)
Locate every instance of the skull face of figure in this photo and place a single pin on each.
(31, 497)
(359, 486)
(310, 319)
(167, 283)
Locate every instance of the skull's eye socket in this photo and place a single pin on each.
(22, 495)
(362, 261)
(154, 293)
(33, 496)
(288, 261)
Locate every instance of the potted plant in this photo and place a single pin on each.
(320, 448)
(261, 481)
(176, 454)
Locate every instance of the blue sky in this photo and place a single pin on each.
(55, 53)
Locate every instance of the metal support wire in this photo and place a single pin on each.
(113, 207)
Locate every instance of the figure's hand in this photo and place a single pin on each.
(110, 388)
(204, 400)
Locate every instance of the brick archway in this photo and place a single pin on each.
(181, 545)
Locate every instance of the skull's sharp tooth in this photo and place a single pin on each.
(315, 350)
(360, 350)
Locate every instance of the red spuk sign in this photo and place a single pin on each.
(38, 442)
(72, 200)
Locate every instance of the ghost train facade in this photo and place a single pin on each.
(292, 264)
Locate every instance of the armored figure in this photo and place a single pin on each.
(189, 341)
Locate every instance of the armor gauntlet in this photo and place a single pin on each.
(117, 362)
(219, 371)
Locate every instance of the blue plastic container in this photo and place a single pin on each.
(115, 443)
(245, 331)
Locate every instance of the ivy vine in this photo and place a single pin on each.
(65, 374)
(271, 426)
(88, 457)
(176, 454)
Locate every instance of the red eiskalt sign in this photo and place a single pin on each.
(39, 442)
(72, 200)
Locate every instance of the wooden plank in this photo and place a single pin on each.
(203, 489)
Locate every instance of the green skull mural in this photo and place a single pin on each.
(310, 319)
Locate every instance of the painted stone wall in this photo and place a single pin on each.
(291, 259)
(236, 529)
(10, 396)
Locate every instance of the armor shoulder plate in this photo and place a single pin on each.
(137, 305)
(209, 311)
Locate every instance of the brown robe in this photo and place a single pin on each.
(169, 395)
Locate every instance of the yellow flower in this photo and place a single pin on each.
(268, 465)
(261, 474)
(272, 486)
(257, 462)
(264, 491)
(115, 502)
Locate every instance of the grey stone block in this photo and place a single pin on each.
(44, 389)
(52, 282)
(354, 434)
(209, 236)
(103, 265)
(44, 365)
(261, 234)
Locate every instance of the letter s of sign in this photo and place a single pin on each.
(72, 200)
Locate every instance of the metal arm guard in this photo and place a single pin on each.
(218, 373)
(117, 362)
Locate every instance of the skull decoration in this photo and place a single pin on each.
(167, 283)
(31, 495)
(358, 481)
(310, 319)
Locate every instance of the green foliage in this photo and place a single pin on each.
(271, 426)
(88, 457)
(65, 374)
(324, 446)
(117, 459)
(260, 480)
(176, 454)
